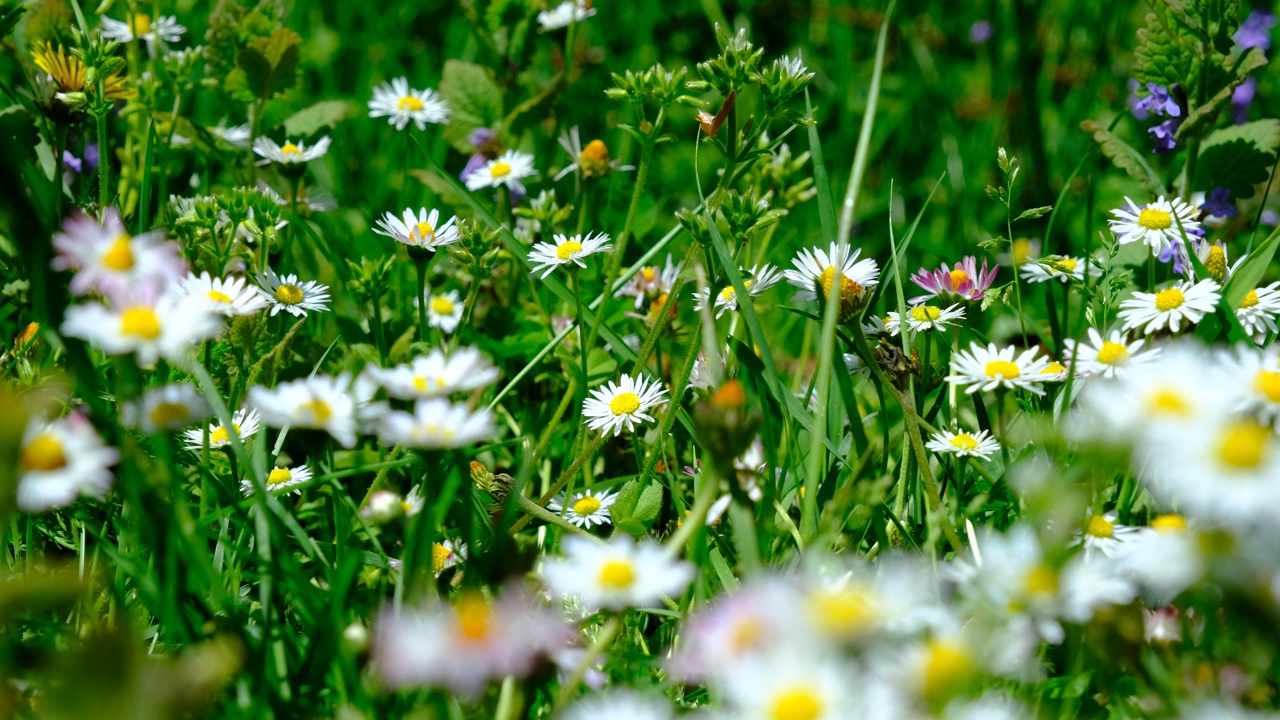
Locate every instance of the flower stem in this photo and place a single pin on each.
(420, 265)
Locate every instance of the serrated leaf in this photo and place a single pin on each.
(1163, 56)
(269, 64)
(475, 101)
(1034, 213)
(1123, 156)
(1238, 157)
(321, 115)
(1201, 119)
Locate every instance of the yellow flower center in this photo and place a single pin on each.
(730, 293)
(1244, 445)
(964, 441)
(441, 305)
(1100, 527)
(139, 24)
(567, 249)
(1169, 523)
(844, 610)
(1003, 369)
(1068, 264)
(1249, 300)
(425, 231)
(958, 278)
(1216, 264)
(439, 556)
(1267, 382)
(848, 288)
(318, 408)
(617, 574)
(1168, 401)
(119, 256)
(219, 434)
(625, 403)
(1155, 219)
(44, 454)
(421, 383)
(595, 156)
(290, 149)
(648, 273)
(499, 169)
(289, 294)
(1043, 580)
(473, 617)
(1020, 251)
(925, 313)
(1169, 299)
(586, 505)
(219, 297)
(410, 103)
(140, 321)
(1111, 353)
(798, 703)
(746, 634)
(947, 667)
(168, 413)
(1053, 368)
(279, 476)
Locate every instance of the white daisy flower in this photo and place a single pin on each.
(169, 327)
(793, 683)
(592, 161)
(1089, 585)
(421, 230)
(651, 281)
(230, 296)
(816, 268)
(547, 257)
(564, 14)
(286, 293)
(622, 405)
(244, 424)
(1107, 358)
(109, 260)
(143, 26)
(437, 375)
(281, 480)
(290, 153)
(444, 311)
(437, 424)
(1181, 302)
(1155, 224)
(1166, 558)
(1256, 377)
(622, 704)
(401, 105)
(586, 508)
(507, 169)
(617, 575)
(446, 554)
(1064, 269)
(964, 444)
(756, 280)
(169, 407)
(320, 402)
(991, 368)
(923, 318)
(60, 461)
(236, 136)
(1258, 311)
(463, 646)
(1103, 535)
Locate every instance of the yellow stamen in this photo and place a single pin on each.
(1003, 369)
(425, 232)
(1244, 445)
(617, 574)
(499, 169)
(290, 149)
(1249, 300)
(140, 321)
(219, 434)
(1111, 353)
(441, 305)
(439, 556)
(279, 475)
(1169, 299)
(625, 403)
(1167, 401)
(800, 703)
(119, 256)
(139, 24)
(410, 103)
(318, 408)
(586, 505)
(1099, 526)
(289, 294)
(1267, 382)
(44, 454)
(473, 617)
(925, 313)
(1155, 219)
(219, 297)
(965, 441)
(947, 668)
(166, 414)
(1043, 580)
(958, 278)
(1169, 523)
(848, 288)
(567, 249)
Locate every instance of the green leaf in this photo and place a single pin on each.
(649, 504)
(1034, 213)
(1201, 119)
(268, 66)
(321, 115)
(1163, 55)
(9, 17)
(1123, 156)
(624, 505)
(475, 101)
(1249, 274)
(1238, 157)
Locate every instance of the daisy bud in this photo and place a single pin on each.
(481, 476)
(383, 507)
(726, 425)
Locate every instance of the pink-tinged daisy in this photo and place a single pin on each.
(110, 261)
(964, 282)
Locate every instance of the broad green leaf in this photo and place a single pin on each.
(1201, 119)
(321, 115)
(475, 101)
(1250, 273)
(649, 504)
(1164, 55)
(268, 65)
(1238, 157)
(1123, 156)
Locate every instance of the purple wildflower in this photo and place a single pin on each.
(91, 155)
(1159, 102)
(1135, 102)
(1178, 254)
(1269, 217)
(1256, 31)
(980, 32)
(1163, 135)
(1218, 204)
(1242, 98)
(71, 163)
(964, 282)
(485, 142)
